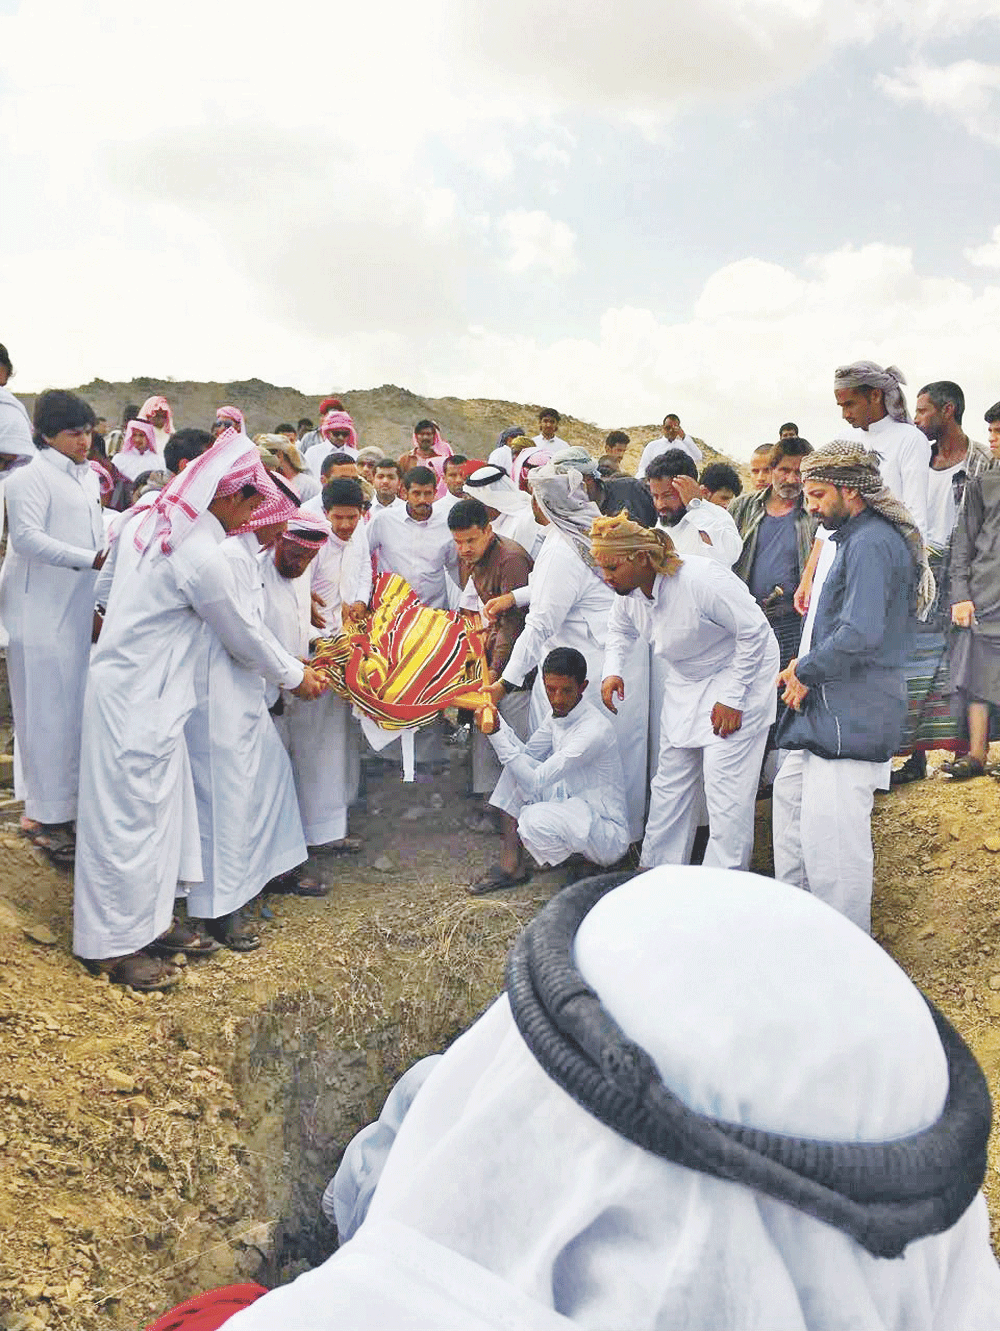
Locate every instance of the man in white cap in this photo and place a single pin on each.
(678, 1116)
(137, 826)
(871, 401)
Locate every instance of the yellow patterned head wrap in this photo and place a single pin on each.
(621, 536)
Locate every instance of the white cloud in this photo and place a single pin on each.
(985, 256)
(536, 241)
(967, 92)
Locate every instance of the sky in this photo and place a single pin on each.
(620, 211)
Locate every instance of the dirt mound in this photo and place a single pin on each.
(384, 416)
(155, 1146)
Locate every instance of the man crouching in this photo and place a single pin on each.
(563, 792)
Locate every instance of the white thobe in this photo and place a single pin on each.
(248, 812)
(47, 606)
(15, 425)
(565, 786)
(663, 445)
(520, 527)
(719, 648)
(306, 485)
(317, 454)
(905, 454)
(569, 606)
(341, 573)
(133, 464)
(320, 739)
(137, 829)
(420, 552)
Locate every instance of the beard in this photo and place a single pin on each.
(670, 519)
(787, 492)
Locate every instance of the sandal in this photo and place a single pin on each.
(294, 884)
(497, 879)
(234, 931)
(57, 841)
(137, 971)
(964, 769)
(348, 845)
(187, 937)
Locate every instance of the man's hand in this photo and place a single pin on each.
(794, 690)
(316, 611)
(495, 692)
(963, 614)
(496, 605)
(725, 720)
(101, 558)
(312, 685)
(97, 625)
(611, 688)
(803, 595)
(488, 720)
(687, 488)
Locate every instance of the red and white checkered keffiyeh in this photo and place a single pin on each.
(231, 462)
(154, 404)
(104, 478)
(277, 506)
(310, 530)
(339, 420)
(234, 416)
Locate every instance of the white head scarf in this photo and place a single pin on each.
(562, 497)
(758, 1004)
(492, 486)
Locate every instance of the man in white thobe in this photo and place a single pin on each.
(415, 541)
(321, 739)
(722, 661)
(565, 786)
(673, 436)
(872, 402)
(137, 827)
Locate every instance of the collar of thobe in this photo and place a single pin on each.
(79, 471)
(883, 423)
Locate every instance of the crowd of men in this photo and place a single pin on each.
(661, 649)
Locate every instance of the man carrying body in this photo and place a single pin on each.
(721, 659)
(847, 696)
(955, 460)
(673, 437)
(613, 495)
(777, 534)
(496, 566)
(871, 401)
(414, 541)
(563, 792)
(137, 828)
(691, 522)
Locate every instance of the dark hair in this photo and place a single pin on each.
(57, 410)
(549, 411)
(456, 460)
(944, 390)
(790, 448)
(992, 414)
(617, 437)
(721, 476)
(343, 492)
(286, 428)
(130, 413)
(789, 425)
(419, 476)
(285, 489)
(468, 513)
(5, 359)
(674, 462)
(566, 661)
(671, 416)
(607, 465)
(763, 448)
(338, 459)
(244, 492)
(185, 445)
(383, 464)
(303, 421)
(424, 425)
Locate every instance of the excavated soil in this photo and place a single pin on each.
(155, 1146)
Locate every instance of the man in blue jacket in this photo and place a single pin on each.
(846, 691)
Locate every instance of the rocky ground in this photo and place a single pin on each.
(154, 1146)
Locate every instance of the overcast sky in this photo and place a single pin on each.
(620, 210)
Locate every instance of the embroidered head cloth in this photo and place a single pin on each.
(562, 497)
(279, 503)
(866, 374)
(339, 420)
(153, 405)
(230, 462)
(234, 416)
(140, 437)
(310, 530)
(621, 536)
(846, 463)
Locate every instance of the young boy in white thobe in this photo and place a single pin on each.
(720, 698)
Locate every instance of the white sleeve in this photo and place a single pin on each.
(914, 460)
(28, 512)
(356, 573)
(644, 460)
(727, 601)
(552, 598)
(718, 525)
(622, 637)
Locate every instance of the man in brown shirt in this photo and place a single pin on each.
(496, 565)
